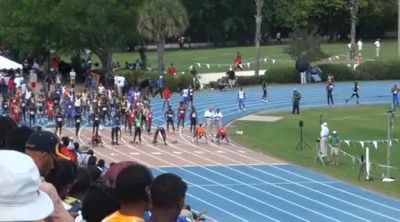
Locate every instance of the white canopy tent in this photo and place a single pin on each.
(8, 64)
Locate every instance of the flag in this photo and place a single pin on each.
(362, 144)
(208, 66)
(265, 59)
(198, 64)
(273, 61)
(375, 144)
(347, 142)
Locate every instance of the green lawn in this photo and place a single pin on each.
(184, 58)
(279, 139)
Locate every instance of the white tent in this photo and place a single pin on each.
(8, 64)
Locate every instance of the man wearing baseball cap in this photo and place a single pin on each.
(335, 144)
(21, 198)
(43, 148)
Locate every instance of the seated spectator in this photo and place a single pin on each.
(95, 173)
(81, 185)
(62, 176)
(99, 202)
(42, 147)
(189, 216)
(168, 197)
(131, 187)
(6, 125)
(17, 138)
(22, 184)
(101, 164)
(115, 168)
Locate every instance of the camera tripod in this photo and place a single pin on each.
(302, 143)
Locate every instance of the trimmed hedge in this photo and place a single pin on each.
(378, 70)
(176, 83)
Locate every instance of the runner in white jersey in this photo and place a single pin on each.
(185, 95)
(241, 98)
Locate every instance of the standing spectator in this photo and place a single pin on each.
(335, 145)
(190, 98)
(237, 61)
(181, 115)
(296, 97)
(395, 96)
(377, 44)
(20, 183)
(331, 78)
(32, 80)
(185, 96)
(231, 77)
(323, 144)
(115, 130)
(217, 119)
(166, 95)
(241, 98)
(181, 41)
(264, 89)
(138, 128)
(329, 93)
(160, 87)
(278, 37)
(131, 187)
(356, 90)
(193, 120)
(172, 70)
(169, 118)
(72, 77)
(208, 115)
(360, 46)
(42, 146)
(168, 197)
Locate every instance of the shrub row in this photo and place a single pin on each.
(378, 70)
(176, 83)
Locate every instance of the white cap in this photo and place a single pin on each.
(325, 124)
(334, 132)
(20, 197)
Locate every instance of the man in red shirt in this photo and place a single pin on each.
(172, 70)
(166, 96)
(238, 62)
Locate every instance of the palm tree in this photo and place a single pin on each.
(161, 19)
(258, 16)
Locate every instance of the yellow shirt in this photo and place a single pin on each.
(118, 217)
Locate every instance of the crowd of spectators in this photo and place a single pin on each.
(52, 179)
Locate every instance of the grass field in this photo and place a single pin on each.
(279, 139)
(182, 59)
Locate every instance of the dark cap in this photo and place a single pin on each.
(45, 141)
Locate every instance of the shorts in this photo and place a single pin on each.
(185, 99)
(334, 151)
(33, 85)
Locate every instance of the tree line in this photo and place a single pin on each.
(105, 26)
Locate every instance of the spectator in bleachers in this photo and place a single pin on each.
(100, 201)
(42, 147)
(6, 125)
(22, 184)
(131, 188)
(80, 185)
(17, 138)
(168, 197)
(62, 176)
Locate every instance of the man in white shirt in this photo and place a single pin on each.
(360, 46)
(323, 144)
(72, 77)
(377, 44)
(218, 119)
(208, 116)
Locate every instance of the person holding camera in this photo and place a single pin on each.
(323, 143)
(296, 102)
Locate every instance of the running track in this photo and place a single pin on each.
(237, 184)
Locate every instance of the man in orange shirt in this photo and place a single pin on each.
(200, 133)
